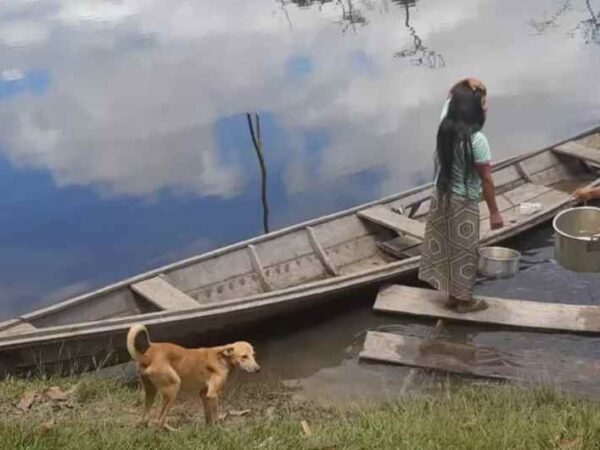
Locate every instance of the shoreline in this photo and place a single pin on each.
(99, 412)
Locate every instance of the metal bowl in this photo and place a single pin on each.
(498, 262)
(577, 239)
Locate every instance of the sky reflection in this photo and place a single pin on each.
(123, 140)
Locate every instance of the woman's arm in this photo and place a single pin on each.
(586, 194)
(489, 195)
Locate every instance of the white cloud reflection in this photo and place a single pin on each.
(128, 117)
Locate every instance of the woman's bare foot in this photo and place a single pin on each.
(472, 305)
(452, 302)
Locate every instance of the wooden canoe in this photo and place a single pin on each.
(287, 269)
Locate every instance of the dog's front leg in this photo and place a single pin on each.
(213, 411)
(214, 387)
(206, 405)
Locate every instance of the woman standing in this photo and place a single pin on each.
(463, 170)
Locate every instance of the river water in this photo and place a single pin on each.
(318, 352)
(124, 143)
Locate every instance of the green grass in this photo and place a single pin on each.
(101, 414)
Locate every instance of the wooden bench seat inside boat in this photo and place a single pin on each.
(401, 247)
(16, 326)
(163, 294)
(384, 216)
(573, 149)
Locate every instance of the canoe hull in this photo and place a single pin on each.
(101, 348)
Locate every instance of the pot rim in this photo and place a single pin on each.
(516, 257)
(564, 234)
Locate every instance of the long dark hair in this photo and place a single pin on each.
(465, 116)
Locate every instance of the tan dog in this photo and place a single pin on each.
(167, 368)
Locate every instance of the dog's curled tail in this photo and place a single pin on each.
(138, 341)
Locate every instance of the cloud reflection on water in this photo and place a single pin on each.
(140, 104)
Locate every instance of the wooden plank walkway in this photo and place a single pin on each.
(384, 216)
(583, 152)
(164, 295)
(475, 360)
(516, 313)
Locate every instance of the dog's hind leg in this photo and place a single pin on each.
(149, 396)
(169, 392)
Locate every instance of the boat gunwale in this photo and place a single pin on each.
(258, 239)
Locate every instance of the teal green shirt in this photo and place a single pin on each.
(471, 186)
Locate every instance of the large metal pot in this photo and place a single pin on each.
(577, 239)
(498, 262)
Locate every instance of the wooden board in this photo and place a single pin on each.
(401, 247)
(551, 200)
(575, 150)
(384, 216)
(407, 246)
(164, 295)
(514, 222)
(525, 193)
(517, 313)
(17, 327)
(514, 197)
(475, 360)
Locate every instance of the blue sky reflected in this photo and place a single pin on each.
(124, 142)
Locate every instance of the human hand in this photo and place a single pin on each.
(474, 83)
(583, 194)
(496, 221)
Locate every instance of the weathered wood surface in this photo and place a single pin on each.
(551, 200)
(523, 172)
(475, 360)
(320, 252)
(512, 199)
(401, 247)
(164, 295)
(576, 150)
(384, 216)
(514, 221)
(516, 313)
(258, 268)
(17, 326)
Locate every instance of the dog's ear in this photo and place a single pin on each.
(227, 352)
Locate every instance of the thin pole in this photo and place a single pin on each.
(257, 142)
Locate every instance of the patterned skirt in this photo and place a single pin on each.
(449, 250)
